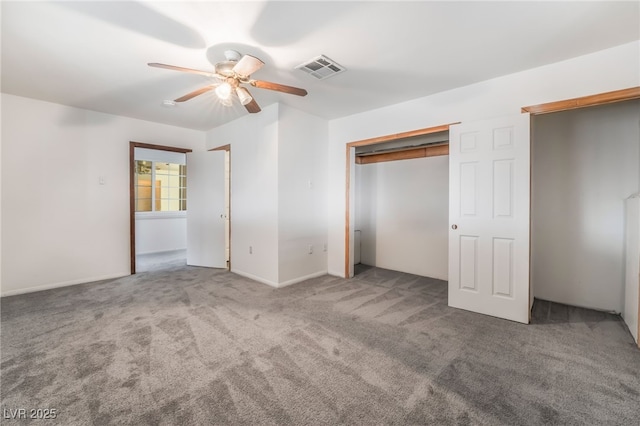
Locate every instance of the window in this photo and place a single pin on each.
(160, 186)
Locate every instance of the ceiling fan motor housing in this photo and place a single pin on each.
(225, 68)
(232, 55)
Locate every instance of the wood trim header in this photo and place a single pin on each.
(403, 135)
(585, 101)
(226, 147)
(404, 154)
(158, 147)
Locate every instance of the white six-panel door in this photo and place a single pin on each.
(206, 209)
(489, 197)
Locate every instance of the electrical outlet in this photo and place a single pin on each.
(250, 249)
(310, 249)
(324, 247)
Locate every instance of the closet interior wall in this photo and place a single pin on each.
(585, 163)
(401, 210)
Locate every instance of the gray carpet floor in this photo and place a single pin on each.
(159, 261)
(201, 346)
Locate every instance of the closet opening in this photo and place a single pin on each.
(397, 203)
(585, 169)
(600, 147)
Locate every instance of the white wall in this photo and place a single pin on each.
(274, 155)
(402, 211)
(59, 225)
(302, 195)
(254, 192)
(365, 206)
(155, 234)
(611, 69)
(585, 163)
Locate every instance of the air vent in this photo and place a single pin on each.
(321, 67)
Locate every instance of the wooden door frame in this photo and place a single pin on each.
(585, 101)
(227, 148)
(132, 198)
(373, 141)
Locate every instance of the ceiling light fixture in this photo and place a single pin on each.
(223, 91)
(230, 74)
(243, 95)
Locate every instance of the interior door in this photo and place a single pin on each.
(489, 198)
(206, 209)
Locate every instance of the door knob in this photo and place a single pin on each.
(454, 226)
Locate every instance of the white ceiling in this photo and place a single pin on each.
(94, 55)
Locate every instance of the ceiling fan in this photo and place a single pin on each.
(231, 75)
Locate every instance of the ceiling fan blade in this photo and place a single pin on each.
(278, 87)
(253, 107)
(247, 65)
(174, 68)
(194, 94)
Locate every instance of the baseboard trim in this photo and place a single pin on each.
(336, 274)
(279, 285)
(62, 284)
(300, 279)
(161, 251)
(606, 311)
(255, 278)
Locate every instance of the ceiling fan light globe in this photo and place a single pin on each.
(223, 91)
(243, 95)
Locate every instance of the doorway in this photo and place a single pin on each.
(155, 198)
(155, 195)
